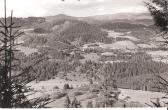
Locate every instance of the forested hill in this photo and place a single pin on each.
(122, 25)
(84, 32)
(59, 19)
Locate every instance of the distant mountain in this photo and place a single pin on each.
(128, 16)
(144, 18)
(139, 18)
(60, 19)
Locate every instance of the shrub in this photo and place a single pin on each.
(56, 87)
(66, 86)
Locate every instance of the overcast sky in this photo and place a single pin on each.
(25, 8)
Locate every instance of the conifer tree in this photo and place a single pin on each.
(13, 86)
(11, 92)
(159, 11)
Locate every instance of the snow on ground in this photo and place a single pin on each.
(91, 45)
(159, 55)
(115, 35)
(26, 50)
(27, 30)
(121, 45)
(130, 37)
(116, 61)
(140, 96)
(108, 54)
(44, 88)
(47, 88)
(146, 45)
(50, 84)
(159, 39)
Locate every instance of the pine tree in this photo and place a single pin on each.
(159, 12)
(13, 87)
(9, 88)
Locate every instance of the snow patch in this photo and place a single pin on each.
(140, 96)
(159, 56)
(121, 45)
(27, 51)
(146, 45)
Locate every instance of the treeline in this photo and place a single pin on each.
(27, 22)
(136, 73)
(122, 25)
(127, 74)
(44, 67)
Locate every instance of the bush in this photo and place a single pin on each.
(56, 87)
(66, 86)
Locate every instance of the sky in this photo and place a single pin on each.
(26, 8)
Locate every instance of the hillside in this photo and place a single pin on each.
(136, 18)
(128, 16)
(90, 53)
(84, 33)
(122, 25)
(59, 19)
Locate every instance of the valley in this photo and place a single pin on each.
(79, 58)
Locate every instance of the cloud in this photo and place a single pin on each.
(26, 8)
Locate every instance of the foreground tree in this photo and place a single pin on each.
(12, 85)
(159, 11)
(11, 90)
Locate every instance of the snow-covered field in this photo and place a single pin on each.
(116, 61)
(115, 35)
(146, 45)
(50, 84)
(108, 54)
(26, 50)
(159, 55)
(47, 88)
(140, 96)
(121, 45)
